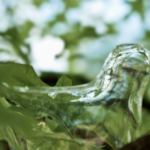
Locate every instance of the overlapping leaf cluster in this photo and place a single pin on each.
(35, 121)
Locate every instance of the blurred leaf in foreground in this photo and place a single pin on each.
(35, 120)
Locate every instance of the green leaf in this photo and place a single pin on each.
(63, 97)
(19, 75)
(22, 115)
(16, 74)
(51, 123)
(9, 135)
(71, 109)
(64, 81)
(4, 103)
(16, 120)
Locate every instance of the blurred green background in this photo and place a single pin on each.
(71, 37)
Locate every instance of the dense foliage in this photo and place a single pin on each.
(44, 124)
(31, 121)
